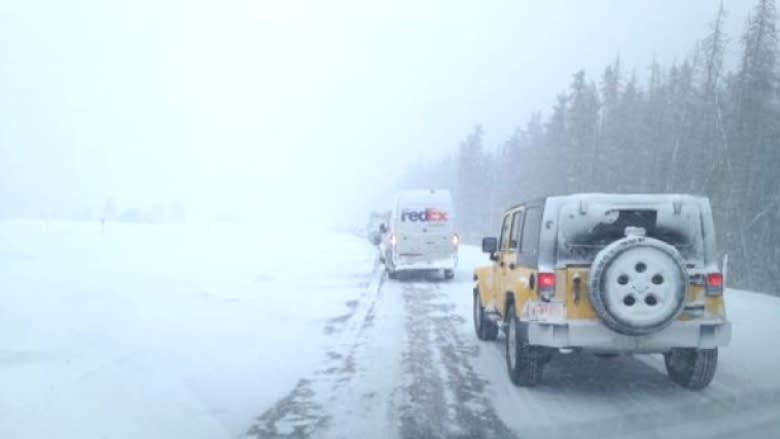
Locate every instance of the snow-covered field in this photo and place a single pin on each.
(228, 331)
(162, 331)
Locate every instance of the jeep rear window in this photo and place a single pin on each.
(583, 232)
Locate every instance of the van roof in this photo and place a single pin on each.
(424, 195)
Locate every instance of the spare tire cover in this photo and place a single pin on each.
(638, 285)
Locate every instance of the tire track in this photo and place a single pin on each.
(434, 391)
(423, 408)
(444, 396)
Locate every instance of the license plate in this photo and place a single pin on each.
(545, 311)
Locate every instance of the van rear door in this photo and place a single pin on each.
(423, 230)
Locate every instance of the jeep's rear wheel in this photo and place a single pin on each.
(524, 362)
(638, 285)
(691, 368)
(485, 329)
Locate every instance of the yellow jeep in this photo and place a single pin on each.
(607, 274)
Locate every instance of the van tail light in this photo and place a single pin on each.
(714, 284)
(455, 240)
(546, 282)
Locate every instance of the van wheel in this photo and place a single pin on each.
(389, 268)
(691, 368)
(524, 363)
(449, 274)
(485, 329)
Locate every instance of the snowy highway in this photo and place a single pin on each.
(412, 367)
(224, 331)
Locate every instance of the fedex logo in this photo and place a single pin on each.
(427, 215)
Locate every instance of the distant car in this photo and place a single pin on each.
(421, 234)
(373, 229)
(606, 274)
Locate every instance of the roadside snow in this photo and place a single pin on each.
(162, 331)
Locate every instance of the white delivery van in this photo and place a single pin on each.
(421, 233)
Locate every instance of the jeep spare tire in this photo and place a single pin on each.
(638, 285)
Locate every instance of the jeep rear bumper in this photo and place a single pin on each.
(595, 336)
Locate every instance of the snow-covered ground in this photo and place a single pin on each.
(163, 331)
(229, 331)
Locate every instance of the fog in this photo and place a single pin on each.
(276, 108)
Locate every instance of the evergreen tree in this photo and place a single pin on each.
(631, 164)
(657, 135)
(469, 198)
(609, 141)
(556, 138)
(714, 47)
(757, 128)
(583, 124)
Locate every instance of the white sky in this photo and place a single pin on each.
(290, 104)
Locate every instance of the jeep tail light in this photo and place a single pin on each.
(546, 283)
(393, 240)
(455, 239)
(714, 284)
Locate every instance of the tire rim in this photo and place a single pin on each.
(511, 342)
(642, 286)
